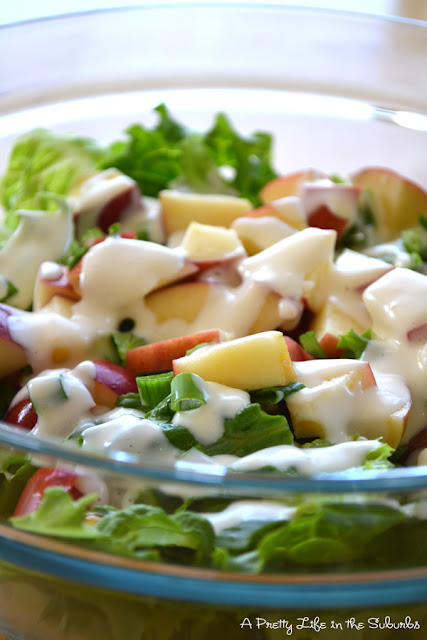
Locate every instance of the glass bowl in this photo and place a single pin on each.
(339, 91)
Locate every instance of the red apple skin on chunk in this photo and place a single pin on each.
(396, 202)
(418, 441)
(158, 356)
(111, 381)
(329, 344)
(296, 352)
(63, 286)
(115, 210)
(22, 414)
(418, 335)
(323, 218)
(12, 355)
(289, 184)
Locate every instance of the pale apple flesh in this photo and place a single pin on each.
(395, 201)
(253, 362)
(179, 209)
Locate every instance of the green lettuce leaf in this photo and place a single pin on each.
(325, 534)
(184, 536)
(251, 429)
(170, 155)
(59, 515)
(124, 341)
(15, 473)
(309, 342)
(44, 162)
(250, 157)
(379, 458)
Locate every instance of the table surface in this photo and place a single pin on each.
(20, 10)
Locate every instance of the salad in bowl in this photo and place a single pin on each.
(173, 300)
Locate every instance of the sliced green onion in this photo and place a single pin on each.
(187, 392)
(114, 229)
(130, 401)
(162, 411)
(310, 343)
(273, 395)
(154, 388)
(354, 343)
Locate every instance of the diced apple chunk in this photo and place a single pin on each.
(253, 362)
(259, 233)
(343, 398)
(329, 205)
(396, 202)
(183, 301)
(59, 304)
(55, 283)
(332, 319)
(208, 243)
(179, 209)
(292, 267)
(289, 184)
(269, 316)
(397, 303)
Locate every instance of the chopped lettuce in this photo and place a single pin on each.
(169, 155)
(59, 515)
(44, 162)
(309, 342)
(325, 534)
(139, 531)
(251, 429)
(379, 458)
(14, 475)
(124, 341)
(321, 534)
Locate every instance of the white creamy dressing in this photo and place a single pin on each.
(394, 251)
(245, 510)
(130, 433)
(117, 274)
(343, 398)
(40, 236)
(60, 398)
(337, 457)
(50, 270)
(262, 232)
(291, 266)
(49, 339)
(206, 423)
(397, 304)
(351, 273)
(99, 189)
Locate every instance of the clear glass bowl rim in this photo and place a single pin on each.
(351, 481)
